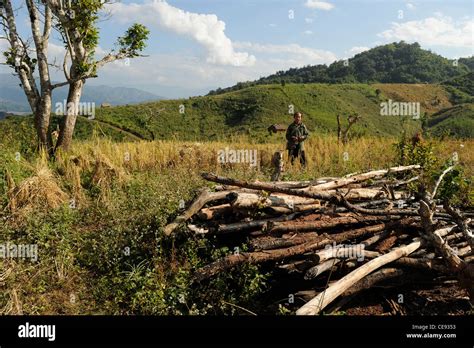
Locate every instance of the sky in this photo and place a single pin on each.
(198, 45)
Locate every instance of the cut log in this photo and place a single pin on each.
(317, 270)
(268, 243)
(270, 187)
(248, 201)
(356, 252)
(300, 208)
(214, 212)
(320, 302)
(251, 225)
(462, 222)
(205, 196)
(374, 278)
(234, 260)
(275, 227)
(361, 177)
(464, 271)
(354, 194)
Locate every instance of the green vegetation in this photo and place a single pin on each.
(97, 215)
(465, 84)
(391, 63)
(457, 121)
(250, 111)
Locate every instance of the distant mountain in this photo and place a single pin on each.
(393, 63)
(12, 97)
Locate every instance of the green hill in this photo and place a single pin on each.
(457, 121)
(250, 111)
(392, 63)
(464, 84)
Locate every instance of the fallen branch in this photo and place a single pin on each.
(204, 197)
(317, 304)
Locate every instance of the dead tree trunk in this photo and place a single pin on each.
(317, 304)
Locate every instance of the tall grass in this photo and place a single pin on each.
(123, 194)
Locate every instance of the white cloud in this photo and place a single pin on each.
(273, 25)
(206, 29)
(304, 55)
(309, 20)
(178, 74)
(320, 5)
(357, 49)
(410, 6)
(439, 30)
(308, 32)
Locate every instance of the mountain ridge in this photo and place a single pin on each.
(13, 99)
(391, 63)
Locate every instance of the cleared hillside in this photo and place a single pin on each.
(457, 121)
(252, 110)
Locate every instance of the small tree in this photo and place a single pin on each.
(343, 134)
(76, 21)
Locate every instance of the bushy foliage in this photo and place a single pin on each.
(392, 63)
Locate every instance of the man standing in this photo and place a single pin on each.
(296, 134)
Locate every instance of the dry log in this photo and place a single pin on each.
(326, 297)
(317, 270)
(231, 261)
(464, 271)
(205, 196)
(297, 266)
(270, 187)
(268, 243)
(353, 252)
(305, 226)
(374, 278)
(366, 193)
(250, 225)
(340, 182)
(336, 199)
(247, 201)
(462, 222)
(214, 212)
(300, 208)
(273, 243)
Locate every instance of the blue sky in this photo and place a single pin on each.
(197, 45)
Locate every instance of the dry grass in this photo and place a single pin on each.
(41, 191)
(325, 155)
(110, 163)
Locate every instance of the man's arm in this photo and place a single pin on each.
(305, 134)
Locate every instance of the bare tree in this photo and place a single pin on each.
(343, 134)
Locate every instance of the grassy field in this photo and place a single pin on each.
(97, 213)
(248, 112)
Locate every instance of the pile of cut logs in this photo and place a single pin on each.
(369, 225)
